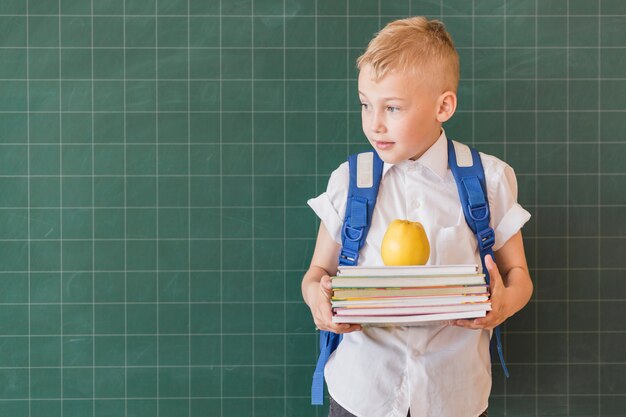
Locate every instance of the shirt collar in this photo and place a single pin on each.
(435, 158)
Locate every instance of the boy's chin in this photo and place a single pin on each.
(389, 159)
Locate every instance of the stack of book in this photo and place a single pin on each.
(408, 295)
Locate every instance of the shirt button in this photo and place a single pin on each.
(416, 204)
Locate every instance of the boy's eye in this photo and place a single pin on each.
(364, 106)
(393, 109)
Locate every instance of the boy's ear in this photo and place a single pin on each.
(446, 106)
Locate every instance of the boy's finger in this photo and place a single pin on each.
(473, 324)
(480, 322)
(326, 283)
(325, 289)
(494, 273)
(341, 328)
(326, 313)
(490, 264)
(353, 328)
(327, 320)
(327, 293)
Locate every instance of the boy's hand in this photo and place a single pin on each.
(322, 310)
(498, 298)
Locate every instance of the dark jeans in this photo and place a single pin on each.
(335, 410)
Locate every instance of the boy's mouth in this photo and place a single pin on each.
(383, 145)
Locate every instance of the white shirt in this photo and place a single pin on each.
(437, 371)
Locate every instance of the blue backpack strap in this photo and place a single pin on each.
(366, 170)
(469, 175)
(328, 344)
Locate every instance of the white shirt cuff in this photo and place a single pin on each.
(510, 224)
(324, 209)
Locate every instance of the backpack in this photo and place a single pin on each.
(365, 175)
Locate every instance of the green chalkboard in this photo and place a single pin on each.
(155, 161)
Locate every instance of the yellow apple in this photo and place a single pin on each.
(405, 243)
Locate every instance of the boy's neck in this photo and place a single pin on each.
(430, 143)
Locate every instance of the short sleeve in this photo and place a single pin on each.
(330, 206)
(507, 215)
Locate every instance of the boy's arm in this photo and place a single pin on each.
(316, 287)
(511, 286)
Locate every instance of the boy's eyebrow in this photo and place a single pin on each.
(387, 98)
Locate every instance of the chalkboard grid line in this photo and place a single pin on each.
(125, 225)
(308, 365)
(305, 397)
(189, 206)
(93, 227)
(253, 217)
(303, 79)
(567, 214)
(348, 77)
(299, 270)
(543, 174)
(521, 174)
(230, 366)
(300, 331)
(473, 80)
(295, 81)
(386, 16)
(616, 145)
(504, 101)
(598, 200)
(284, 151)
(319, 346)
(221, 142)
(316, 81)
(257, 302)
(533, 268)
(261, 48)
(28, 202)
(272, 48)
(292, 145)
(62, 394)
(158, 350)
(157, 112)
(504, 140)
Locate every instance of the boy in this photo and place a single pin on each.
(407, 87)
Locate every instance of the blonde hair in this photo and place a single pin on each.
(416, 46)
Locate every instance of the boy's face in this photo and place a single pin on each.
(399, 115)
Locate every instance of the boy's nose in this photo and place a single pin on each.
(377, 124)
